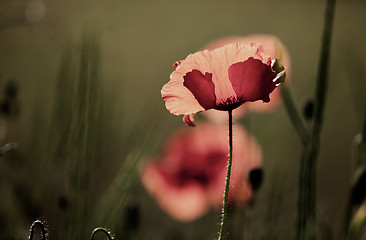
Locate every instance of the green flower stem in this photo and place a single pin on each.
(294, 115)
(307, 177)
(322, 77)
(307, 197)
(227, 181)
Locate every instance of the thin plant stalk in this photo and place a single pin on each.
(307, 175)
(294, 115)
(227, 181)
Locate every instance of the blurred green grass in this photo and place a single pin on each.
(76, 151)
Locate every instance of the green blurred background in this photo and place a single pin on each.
(87, 110)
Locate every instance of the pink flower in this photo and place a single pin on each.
(188, 179)
(223, 79)
(273, 47)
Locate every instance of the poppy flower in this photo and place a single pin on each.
(222, 79)
(188, 179)
(273, 47)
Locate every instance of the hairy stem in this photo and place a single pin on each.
(99, 229)
(227, 181)
(41, 226)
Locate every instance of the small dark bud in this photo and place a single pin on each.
(132, 215)
(25, 200)
(308, 108)
(256, 178)
(63, 203)
(5, 107)
(11, 89)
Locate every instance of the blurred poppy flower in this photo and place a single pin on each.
(223, 79)
(188, 179)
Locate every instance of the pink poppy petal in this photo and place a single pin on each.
(216, 62)
(258, 106)
(223, 58)
(273, 47)
(207, 62)
(183, 204)
(252, 80)
(201, 87)
(189, 178)
(201, 81)
(188, 120)
(179, 100)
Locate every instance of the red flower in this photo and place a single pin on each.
(223, 79)
(188, 179)
(273, 47)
